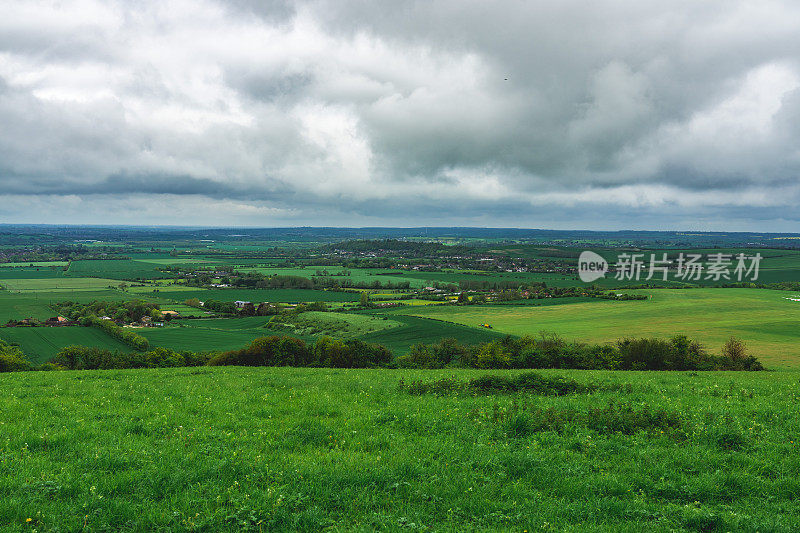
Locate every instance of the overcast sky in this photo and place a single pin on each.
(568, 114)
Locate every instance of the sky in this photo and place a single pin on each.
(619, 114)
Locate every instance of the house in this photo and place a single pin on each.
(59, 321)
(240, 304)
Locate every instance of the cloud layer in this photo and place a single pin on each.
(681, 115)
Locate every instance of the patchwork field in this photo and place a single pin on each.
(232, 449)
(767, 320)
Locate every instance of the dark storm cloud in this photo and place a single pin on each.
(349, 111)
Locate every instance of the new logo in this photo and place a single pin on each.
(591, 266)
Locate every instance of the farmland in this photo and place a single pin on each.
(766, 320)
(242, 448)
(42, 344)
(61, 285)
(251, 448)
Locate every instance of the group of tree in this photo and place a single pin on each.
(12, 359)
(89, 358)
(121, 311)
(551, 351)
(545, 351)
(290, 351)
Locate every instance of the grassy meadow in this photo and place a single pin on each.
(259, 449)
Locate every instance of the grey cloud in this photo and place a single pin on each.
(409, 107)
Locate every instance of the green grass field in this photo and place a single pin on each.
(42, 344)
(765, 319)
(265, 449)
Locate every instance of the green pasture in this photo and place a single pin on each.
(42, 343)
(765, 319)
(276, 449)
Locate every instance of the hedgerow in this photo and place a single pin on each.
(126, 336)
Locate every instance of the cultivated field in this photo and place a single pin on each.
(42, 344)
(61, 285)
(767, 320)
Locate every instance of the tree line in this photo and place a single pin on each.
(545, 351)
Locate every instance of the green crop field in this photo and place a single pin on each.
(266, 449)
(119, 269)
(36, 264)
(61, 285)
(766, 320)
(42, 344)
(207, 334)
(30, 273)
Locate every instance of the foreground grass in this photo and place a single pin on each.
(208, 449)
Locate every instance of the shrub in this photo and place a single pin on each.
(420, 356)
(89, 358)
(531, 382)
(12, 359)
(438, 387)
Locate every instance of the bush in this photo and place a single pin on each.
(290, 351)
(420, 356)
(530, 382)
(12, 359)
(447, 351)
(88, 358)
